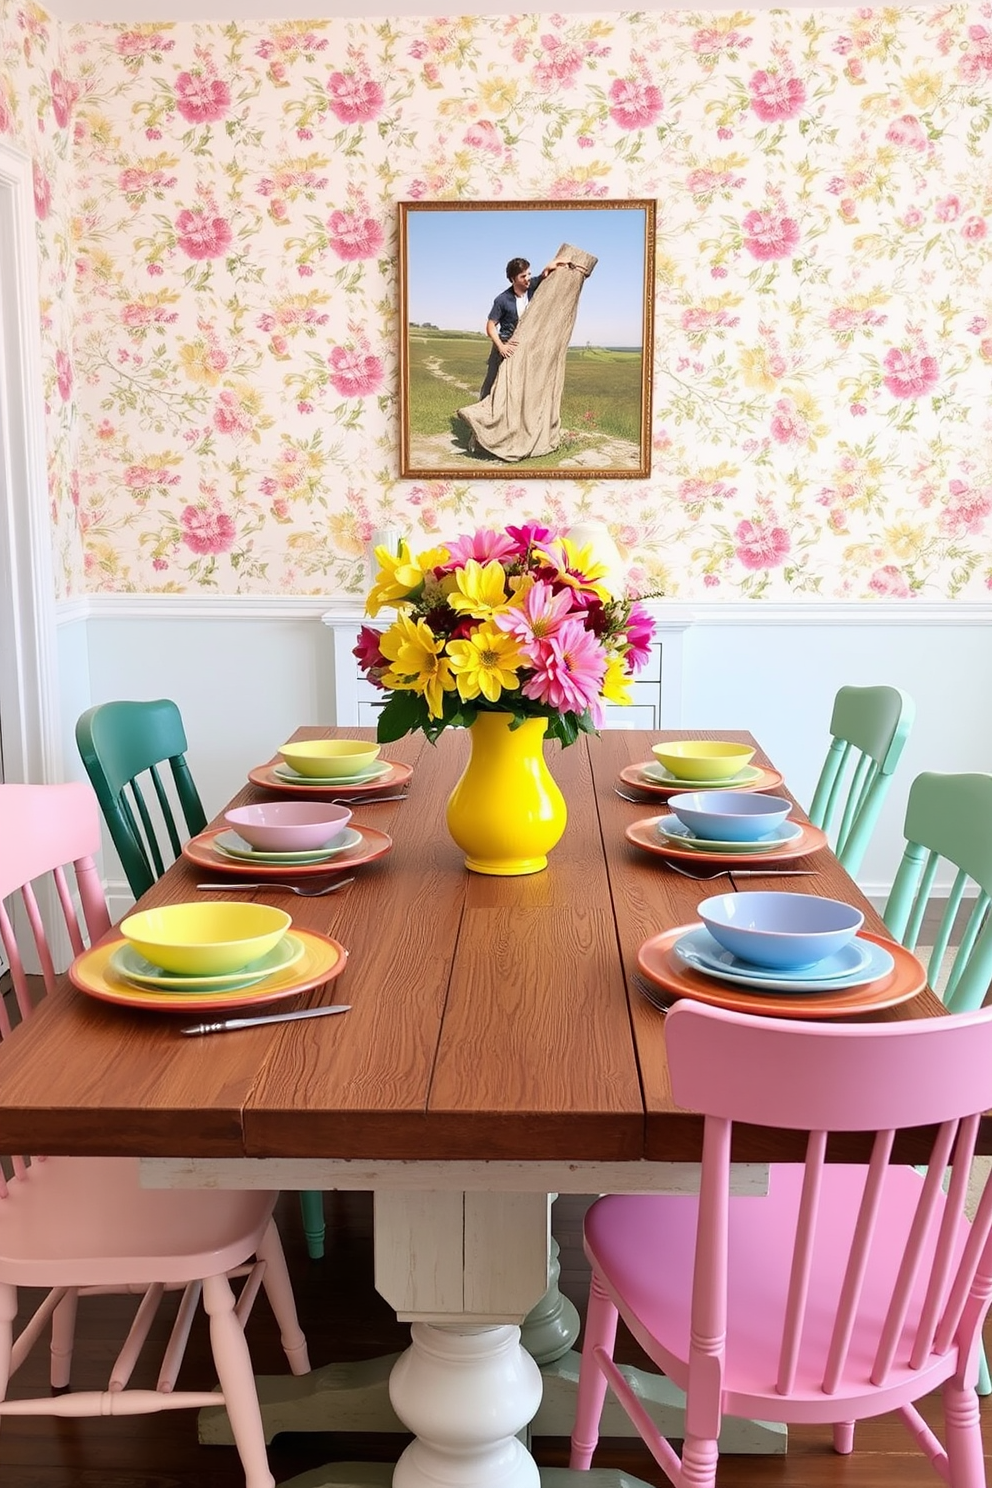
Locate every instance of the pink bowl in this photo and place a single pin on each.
(288, 826)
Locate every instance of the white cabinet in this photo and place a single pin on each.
(657, 689)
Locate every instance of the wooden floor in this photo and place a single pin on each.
(345, 1319)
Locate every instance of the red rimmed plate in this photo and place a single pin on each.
(323, 958)
(659, 963)
(768, 779)
(644, 833)
(201, 851)
(265, 776)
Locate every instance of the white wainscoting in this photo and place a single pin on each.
(246, 672)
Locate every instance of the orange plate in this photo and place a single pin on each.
(322, 959)
(265, 776)
(659, 963)
(644, 833)
(201, 851)
(769, 779)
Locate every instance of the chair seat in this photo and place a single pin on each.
(58, 1214)
(643, 1247)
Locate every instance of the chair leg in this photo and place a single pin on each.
(8, 1312)
(63, 1339)
(600, 1332)
(963, 1433)
(312, 1209)
(700, 1456)
(279, 1290)
(844, 1437)
(237, 1382)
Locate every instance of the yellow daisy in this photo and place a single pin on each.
(480, 591)
(616, 683)
(401, 575)
(417, 664)
(485, 663)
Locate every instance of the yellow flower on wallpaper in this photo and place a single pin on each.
(906, 539)
(202, 362)
(754, 367)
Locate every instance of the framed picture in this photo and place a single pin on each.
(526, 341)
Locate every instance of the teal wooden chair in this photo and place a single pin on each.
(125, 747)
(869, 727)
(948, 827)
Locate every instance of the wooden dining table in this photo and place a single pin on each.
(499, 1049)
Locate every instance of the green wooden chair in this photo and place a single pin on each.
(869, 727)
(124, 747)
(949, 824)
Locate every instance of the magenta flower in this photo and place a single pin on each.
(200, 236)
(640, 634)
(370, 658)
(483, 545)
(353, 237)
(775, 97)
(542, 615)
(909, 374)
(527, 536)
(201, 100)
(768, 236)
(569, 668)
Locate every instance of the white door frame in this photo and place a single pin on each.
(29, 695)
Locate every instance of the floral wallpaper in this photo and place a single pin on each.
(223, 379)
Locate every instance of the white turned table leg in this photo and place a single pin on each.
(466, 1394)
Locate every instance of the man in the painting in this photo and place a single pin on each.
(505, 314)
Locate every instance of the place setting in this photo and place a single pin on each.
(722, 828)
(322, 767)
(781, 955)
(697, 764)
(274, 839)
(205, 957)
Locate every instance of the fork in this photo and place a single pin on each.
(644, 800)
(742, 872)
(369, 800)
(303, 892)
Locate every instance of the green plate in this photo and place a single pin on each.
(284, 772)
(128, 963)
(236, 847)
(660, 776)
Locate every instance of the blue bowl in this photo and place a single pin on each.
(730, 816)
(787, 931)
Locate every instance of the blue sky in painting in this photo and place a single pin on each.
(456, 262)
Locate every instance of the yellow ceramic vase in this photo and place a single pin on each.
(506, 813)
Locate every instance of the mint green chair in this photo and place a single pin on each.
(949, 823)
(124, 747)
(869, 727)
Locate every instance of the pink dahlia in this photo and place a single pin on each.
(201, 100)
(640, 634)
(910, 374)
(768, 236)
(354, 99)
(634, 104)
(541, 615)
(353, 237)
(353, 374)
(200, 236)
(569, 668)
(776, 97)
(483, 545)
(759, 546)
(207, 530)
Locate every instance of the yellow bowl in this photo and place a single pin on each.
(205, 939)
(329, 759)
(702, 759)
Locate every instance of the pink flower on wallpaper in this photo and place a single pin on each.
(354, 374)
(947, 209)
(788, 426)
(560, 61)
(42, 191)
(974, 229)
(759, 546)
(967, 510)
(908, 133)
(774, 96)
(889, 583)
(200, 99)
(354, 99)
(63, 375)
(910, 374)
(976, 64)
(694, 489)
(138, 43)
(483, 135)
(201, 236)
(6, 115)
(634, 104)
(64, 95)
(230, 417)
(767, 235)
(207, 530)
(354, 237)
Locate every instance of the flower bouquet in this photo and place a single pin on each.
(518, 622)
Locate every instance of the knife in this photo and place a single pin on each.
(232, 1023)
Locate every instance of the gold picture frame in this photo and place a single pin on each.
(567, 392)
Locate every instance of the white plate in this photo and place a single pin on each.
(380, 767)
(673, 830)
(661, 776)
(236, 847)
(131, 965)
(860, 961)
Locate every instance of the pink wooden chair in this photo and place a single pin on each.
(848, 1290)
(84, 1225)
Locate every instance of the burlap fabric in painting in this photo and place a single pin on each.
(521, 416)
